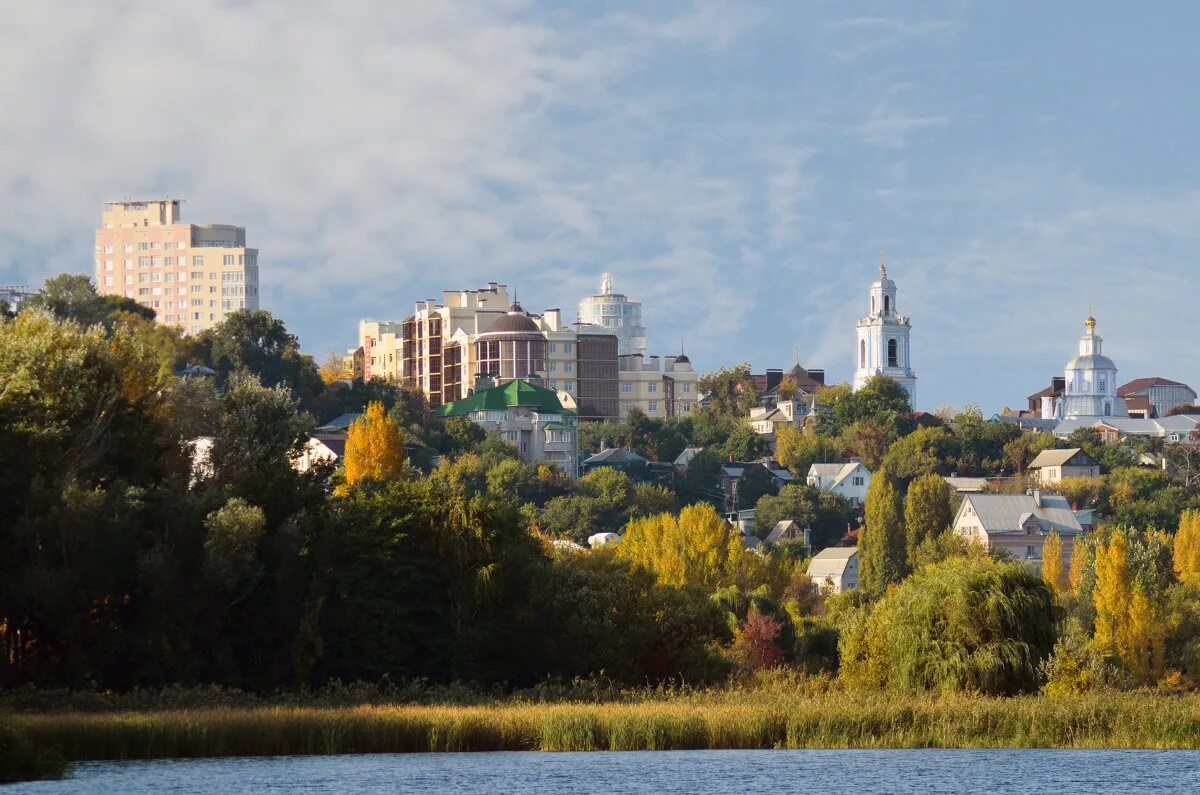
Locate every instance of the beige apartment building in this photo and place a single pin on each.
(661, 387)
(192, 275)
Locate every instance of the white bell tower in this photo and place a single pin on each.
(883, 339)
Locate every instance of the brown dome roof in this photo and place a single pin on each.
(515, 322)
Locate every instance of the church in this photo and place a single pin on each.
(883, 339)
(1090, 388)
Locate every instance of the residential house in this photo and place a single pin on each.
(766, 420)
(321, 448)
(685, 458)
(806, 383)
(963, 485)
(617, 458)
(1051, 466)
(1018, 523)
(732, 473)
(529, 417)
(1174, 430)
(851, 480)
(835, 569)
(788, 531)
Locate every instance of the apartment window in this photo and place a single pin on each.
(169, 262)
(196, 288)
(108, 249)
(568, 347)
(212, 277)
(568, 367)
(554, 347)
(143, 278)
(143, 291)
(197, 262)
(197, 302)
(107, 264)
(156, 291)
(212, 316)
(183, 276)
(128, 263)
(226, 304)
(212, 303)
(196, 329)
(212, 289)
(554, 385)
(687, 388)
(196, 316)
(626, 405)
(554, 367)
(169, 318)
(108, 280)
(652, 405)
(169, 246)
(128, 248)
(197, 275)
(181, 305)
(228, 259)
(129, 278)
(182, 244)
(652, 388)
(143, 262)
(156, 262)
(627, 388)
(240, 260)
(143, 246)
(685, 406)
(155, 245)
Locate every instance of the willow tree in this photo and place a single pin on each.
(1052, 562)
(926, 510)
(374, 448)
(882, 547)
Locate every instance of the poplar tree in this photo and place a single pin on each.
(883, 552)
(374, 447)
(926, 511)
(1146, 645)
(1112, 596)
(696, 548)
(1186, 549)
(1052, 562)
(1081, 564)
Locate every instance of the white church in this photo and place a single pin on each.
(1091, 383)
(883, 347)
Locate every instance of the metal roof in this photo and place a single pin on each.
(1054, 458)
(500, 398)
(1006, 513)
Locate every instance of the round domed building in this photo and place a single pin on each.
(1091, 381)
(514, 347)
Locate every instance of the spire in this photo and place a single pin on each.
(606, 284)
(882, 264)
(1091, 321)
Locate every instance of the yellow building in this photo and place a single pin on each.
(191, 275)
(660, 388)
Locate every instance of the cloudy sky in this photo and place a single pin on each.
(738, 166)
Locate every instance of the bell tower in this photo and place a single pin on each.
(883, 338)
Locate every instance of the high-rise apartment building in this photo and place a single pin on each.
(658, 387)
(616, 313)
(192, 275)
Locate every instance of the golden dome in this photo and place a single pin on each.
(1090, 322)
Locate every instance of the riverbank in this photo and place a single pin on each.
(722, 721)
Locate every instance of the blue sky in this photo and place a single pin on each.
(737, 166)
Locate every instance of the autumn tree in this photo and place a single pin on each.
(866, 441)
(1112, 596)
(882, 545)
(1147, 637)
(1082, 555)
(1186, 549)
(335, 368)
(757, 643)
(374, 448)
(797, 450)
(926, 510)
(1052, 562)
(695, 548)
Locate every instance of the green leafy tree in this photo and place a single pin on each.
(881, 401)
(731, 393)
(883, 552)
(927, 511)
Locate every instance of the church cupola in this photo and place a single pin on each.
(883, 338)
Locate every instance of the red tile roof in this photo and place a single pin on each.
(1138, 384)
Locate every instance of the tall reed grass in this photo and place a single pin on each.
(720, 720)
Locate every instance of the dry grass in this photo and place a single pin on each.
(722, 719)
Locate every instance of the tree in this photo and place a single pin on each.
(731, 393)
(757, 644)
(883, 554)
(744, 444)
(1146, 655)
(696, 548)
(968, 624)
(374, 448)
(927, 511)
(231, 561)
(867, 441)
(71, 296)
(335, 368)
(700, 480)
(881, 401)
(923, 452)
(1186, 549)
(794, 501)
(1052, 562)
(1112, 596)
(257, 342)
(797, 450)
(752, 485)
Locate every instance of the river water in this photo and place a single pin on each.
(659, 772)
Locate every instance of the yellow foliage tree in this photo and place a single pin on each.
(374, 448)
(335, 368)
(1111, 597)
(1146, 645)
(1052, 562)
(1186, 553)
(696, 548)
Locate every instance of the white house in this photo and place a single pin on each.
(1051, 466)
(851, 480)
(1018, 523)
(835, 569)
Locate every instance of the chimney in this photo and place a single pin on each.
(603, 444)
(553, 318)
(817, 375)
(1037, 496)
(774, 379)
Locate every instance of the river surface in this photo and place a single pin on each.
(658, 772)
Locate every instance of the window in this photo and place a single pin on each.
(169, 246)
(129, 278)
(143, 291)
(228, 259)
(1102, 385)
(143, 246)
(626, 405)
(553, 347)
(652, 405)
(143, 262)
(107, 264)
(128, 248)
(108, 249)
(155, 245)
(652, 388)
(108, 280)
(128, 263)
(567, 347)
(862, 353)
(156, 262)
(687, 389)
(858, 481)
(568, 367)
(169, 262)
(143, 277)
(887, 304)
(197, 275)
(554, 367)
(1031, 551)
(893, 357)
(197, 262)
(196, 288)
(627, 388)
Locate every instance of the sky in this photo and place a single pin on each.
(737, 166)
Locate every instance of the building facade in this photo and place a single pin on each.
(615, 312)
(1161, 394)
(192, 275)
(1051, 466)
(851, 480)
(529, 417)
(1090, 381)
(658, 387)
(835, 569)
(883, 340)
(1018, 523)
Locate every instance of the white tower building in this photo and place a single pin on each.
(1091, 389)
(616, 313)
(883, 340)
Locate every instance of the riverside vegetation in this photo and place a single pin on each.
(130, 563)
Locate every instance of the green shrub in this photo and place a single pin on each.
(20, 762)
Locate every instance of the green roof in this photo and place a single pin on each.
(556, 426)
(500, 398)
